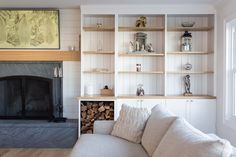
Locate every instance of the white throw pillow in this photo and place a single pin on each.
(183, 140)
(130, 124)
(156, 127)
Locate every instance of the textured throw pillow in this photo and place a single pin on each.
(183, 140)
(130, 124)
(156, 127)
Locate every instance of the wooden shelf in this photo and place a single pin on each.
(134, 29)
(142, 55)
(39, 55)
(189, 53)
(98, 72)
(190, 97)
(180, 29)
(99, 52)
(142, 72)
(96, 29)
(165, 97)
(97, 97)
(190, 72)
(141, 97)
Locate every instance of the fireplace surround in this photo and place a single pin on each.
(29, 90)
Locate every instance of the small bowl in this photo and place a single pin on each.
(188, 66)
(188, 24)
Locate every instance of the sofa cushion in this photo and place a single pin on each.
(183, 140)
(96, 145)
(130, 123)
(156, 127)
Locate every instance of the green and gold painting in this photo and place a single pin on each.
(29, 29)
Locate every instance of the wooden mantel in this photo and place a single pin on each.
(39, 56)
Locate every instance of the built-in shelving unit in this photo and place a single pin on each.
(162, 72)
(152, 64)
(201, 57)
(98, 52)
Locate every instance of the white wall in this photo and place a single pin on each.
(224, 11)
(70, 30)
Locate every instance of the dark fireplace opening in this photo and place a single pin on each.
(26, 97)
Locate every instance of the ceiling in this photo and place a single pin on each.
(77, 3)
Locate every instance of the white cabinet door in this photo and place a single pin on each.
(179, 107)
(203, 115)
(145, 103)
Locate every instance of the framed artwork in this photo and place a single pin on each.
(29, 29)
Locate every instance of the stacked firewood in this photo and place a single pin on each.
(92, 111)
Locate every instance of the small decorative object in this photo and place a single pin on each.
(106, 91)
(99, 46)
(137, 47)
(29, 29)
(140, 40)
(149, 48)
(188, 66)
(187, 86)
(57, 72)
(138, 67)
(100, 70)
(131, 46)
(99, 25)
(186, 42)
(188, 24)
(142, 48)
(141, 22)
(140, 90)
(71, 48)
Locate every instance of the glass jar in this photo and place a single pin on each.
(138, 67)
(140, 90)
(186, 42)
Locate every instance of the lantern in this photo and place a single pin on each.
(186, 42)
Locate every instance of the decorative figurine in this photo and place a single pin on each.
(141, 22)
(186, 42)
(140, 90)
(143, 48)
(149, 48)
(187, 85)
(131, 46)
(99, 25)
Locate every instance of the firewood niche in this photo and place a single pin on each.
(94, 110)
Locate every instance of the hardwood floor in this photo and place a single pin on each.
(22, 152)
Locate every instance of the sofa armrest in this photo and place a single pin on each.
(234, 152)
(103, 127)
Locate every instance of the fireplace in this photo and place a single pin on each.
(29, 90)
(26, 97)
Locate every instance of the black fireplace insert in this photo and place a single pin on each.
(26, 97)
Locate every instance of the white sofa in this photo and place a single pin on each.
(102, 144)
(155, 140)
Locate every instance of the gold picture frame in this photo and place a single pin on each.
(29, 29)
